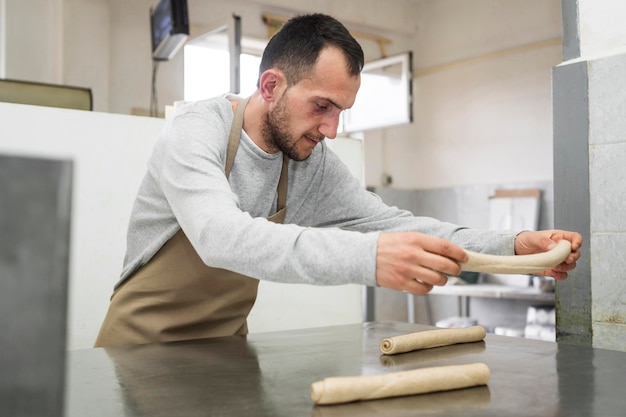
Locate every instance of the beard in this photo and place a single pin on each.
(276, 131)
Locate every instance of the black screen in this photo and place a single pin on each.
(161, 21)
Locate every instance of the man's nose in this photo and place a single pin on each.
(330, 125)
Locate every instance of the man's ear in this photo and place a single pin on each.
(271, 84)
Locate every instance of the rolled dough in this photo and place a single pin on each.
(337, 390)
(519, 264)
(430, 339)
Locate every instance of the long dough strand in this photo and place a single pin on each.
(519, 264)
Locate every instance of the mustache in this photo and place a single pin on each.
(315, 136)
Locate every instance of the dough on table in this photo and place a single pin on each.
(431, 338)
(335, 390)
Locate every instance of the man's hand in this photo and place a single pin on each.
(530, 242)
(414, 262)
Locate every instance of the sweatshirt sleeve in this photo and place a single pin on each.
(345, 204)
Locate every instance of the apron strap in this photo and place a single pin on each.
(233, 145)
(235, 135)
(282, 184)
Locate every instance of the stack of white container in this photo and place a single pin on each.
(541, 323)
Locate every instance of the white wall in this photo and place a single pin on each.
(601, 27)
(482, 91)
(479, 114)
(87, 27)
(60, 42)
(34, 36)
(478, 123)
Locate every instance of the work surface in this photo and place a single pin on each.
(270, 374)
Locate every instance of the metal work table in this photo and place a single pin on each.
(270, 374)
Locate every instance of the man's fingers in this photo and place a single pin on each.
(428, 278)
(414, 262)
(444, 248)
(418, 287)
(437, 263)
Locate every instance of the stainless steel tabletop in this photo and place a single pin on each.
(270, 374)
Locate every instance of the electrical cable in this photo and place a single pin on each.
(154, 102)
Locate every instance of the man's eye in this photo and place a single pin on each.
(322, 107)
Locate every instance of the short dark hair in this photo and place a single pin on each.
(295, 48)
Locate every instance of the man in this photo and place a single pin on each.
(242, 190)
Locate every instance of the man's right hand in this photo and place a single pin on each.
(415, 262)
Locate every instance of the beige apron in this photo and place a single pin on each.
(175, 296)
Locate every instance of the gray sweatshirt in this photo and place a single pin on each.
(332, 223)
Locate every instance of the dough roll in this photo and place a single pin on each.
(518, 264)
(337, 390)
(430, 339)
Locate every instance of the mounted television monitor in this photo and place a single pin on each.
(169, 26)
(386, 95)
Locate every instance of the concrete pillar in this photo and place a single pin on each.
(589, 110)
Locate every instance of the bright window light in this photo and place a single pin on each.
(207, 72)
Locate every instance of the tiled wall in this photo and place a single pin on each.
(590, 195)
(607, 190)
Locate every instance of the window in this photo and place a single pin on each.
(207, 72)
(385, 97)
(207, 67)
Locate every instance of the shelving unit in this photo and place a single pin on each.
(464, 292)
(539, 325)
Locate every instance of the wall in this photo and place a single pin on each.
(87, 27)
(590, 180)
(34, 36)
(60, 42)
(479, 113)
(607, 193)
(482, 97)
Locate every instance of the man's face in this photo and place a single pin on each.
(309, 111)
